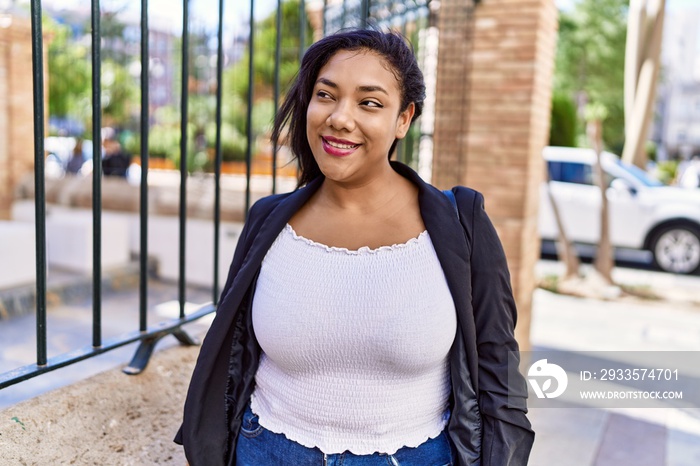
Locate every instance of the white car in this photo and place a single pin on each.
(644, 213)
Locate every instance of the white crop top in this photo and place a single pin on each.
(355, 344)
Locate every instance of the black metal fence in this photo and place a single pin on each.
(409, 17)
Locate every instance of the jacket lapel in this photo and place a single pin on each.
(446, 233)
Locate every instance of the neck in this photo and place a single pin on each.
(366, 196)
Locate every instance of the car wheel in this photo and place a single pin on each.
(677, 249)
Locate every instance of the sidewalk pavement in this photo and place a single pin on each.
(576, 435)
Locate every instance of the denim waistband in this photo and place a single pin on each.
(257, 446)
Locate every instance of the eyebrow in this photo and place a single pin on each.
(330, 83)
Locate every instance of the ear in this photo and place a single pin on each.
(404, 121)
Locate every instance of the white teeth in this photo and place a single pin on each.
(340, 146)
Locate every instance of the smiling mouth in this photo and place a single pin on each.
(339, 145)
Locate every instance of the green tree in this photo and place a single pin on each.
(236, 77)
(590, 61)
(562, 131)
(70, 81)
(120, 93)
(69, 73)
(112, 30)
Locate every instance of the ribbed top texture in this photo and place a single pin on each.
(355, 344)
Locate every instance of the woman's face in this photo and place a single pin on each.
(354, 116)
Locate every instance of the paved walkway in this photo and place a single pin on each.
(583, 436)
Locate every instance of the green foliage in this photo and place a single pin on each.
(112, 31)
(562, 131)
(289, 47)
(131, 142)
(69, 73)
(666, 171)
(233, 143)
(119, 94)
(590, 60)
(235, 81)
(234, 111)
(651, 150)
(236, 77)
(263, 112)
(595, 111)
(70, 81)
(202, 109)
(163, 141)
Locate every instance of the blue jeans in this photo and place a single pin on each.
(258, 446)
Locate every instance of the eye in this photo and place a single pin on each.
(371, 104)
(323, 95)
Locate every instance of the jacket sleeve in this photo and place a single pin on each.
(507, 436)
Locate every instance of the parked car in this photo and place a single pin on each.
(644, 213)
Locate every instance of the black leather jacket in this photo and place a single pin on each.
(487, 427)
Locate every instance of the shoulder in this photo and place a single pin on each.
(267, 204)
(465, 193)
(263, 208)
(469, 201)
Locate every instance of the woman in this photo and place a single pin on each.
(357, 326)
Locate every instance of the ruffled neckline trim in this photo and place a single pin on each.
(363, 250)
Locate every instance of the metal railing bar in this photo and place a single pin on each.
(143, 209)
(39, 186)
(183, 153)
(343, 14)
(32, 370)
(418, 10)
(218, 157)
(302, 29)
(148, 345)
(337, 14)
(96, 177)
(276, 92)
(364, 12)
(323, 17)
(249, 113)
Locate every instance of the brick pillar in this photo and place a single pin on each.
(16, 110)
(495, 66)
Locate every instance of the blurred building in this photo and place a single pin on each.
(677, 123)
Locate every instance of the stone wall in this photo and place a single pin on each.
(16, 111)
(495, 67)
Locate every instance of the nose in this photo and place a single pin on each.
(341, 117)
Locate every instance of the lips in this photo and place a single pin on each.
(338, 147)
